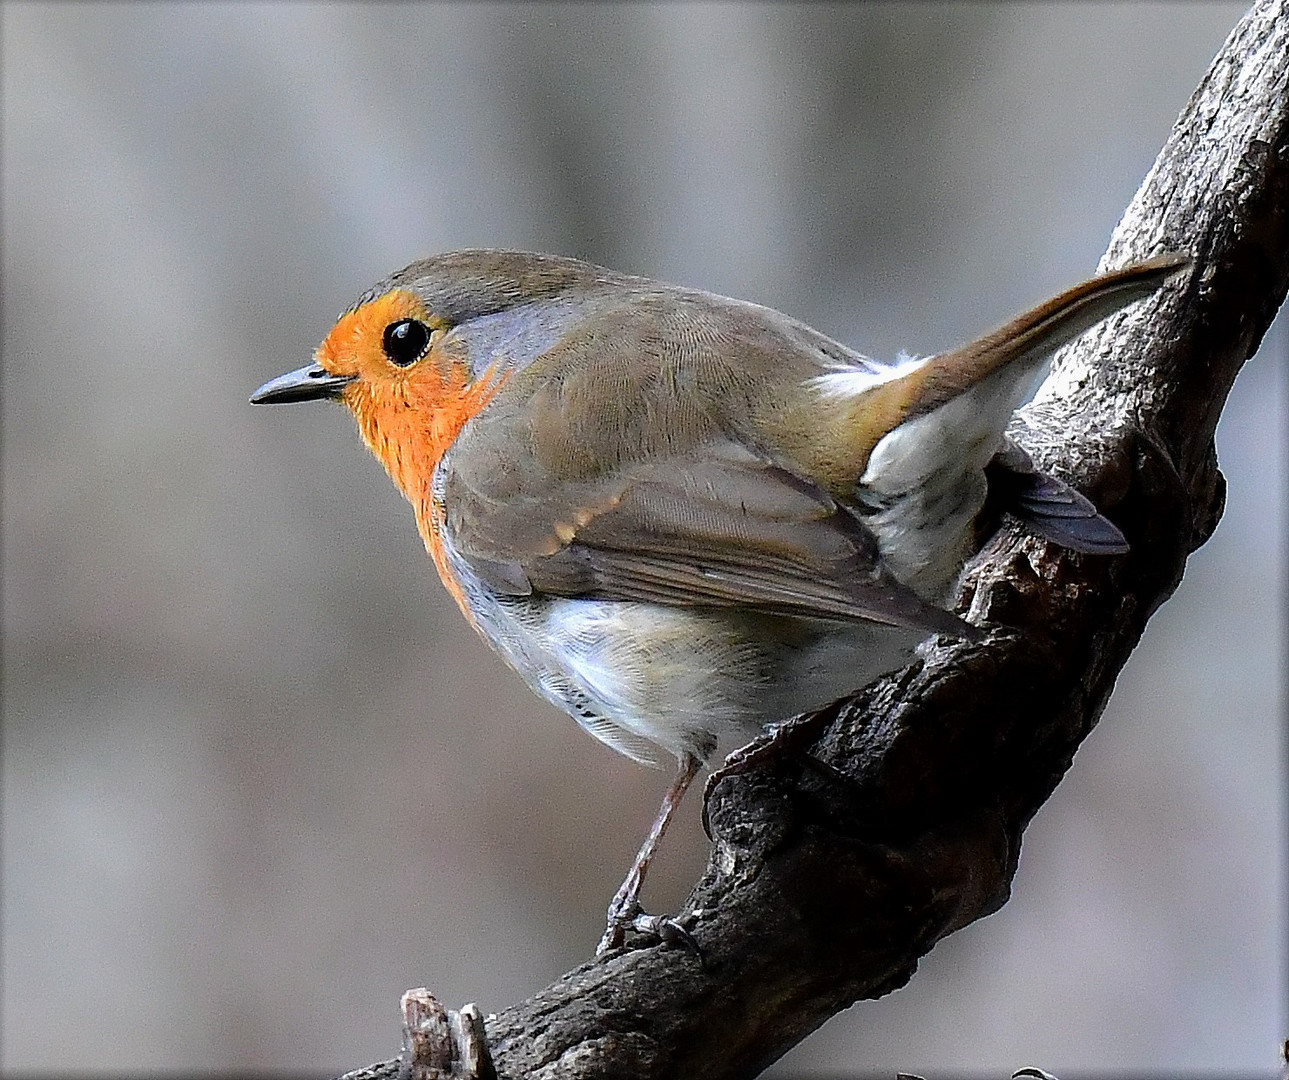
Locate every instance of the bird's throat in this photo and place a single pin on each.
(410, 426)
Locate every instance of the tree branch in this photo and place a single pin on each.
(824, 888)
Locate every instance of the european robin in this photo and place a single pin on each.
(679, 515)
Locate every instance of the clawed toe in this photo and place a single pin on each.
(785, 739)
(667, 930)
(611, 940)
(661, 928)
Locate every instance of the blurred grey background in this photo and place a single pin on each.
(260, 777)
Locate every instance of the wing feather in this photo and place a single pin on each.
(715, 527)
(1050, 506)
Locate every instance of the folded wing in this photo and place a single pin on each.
(716, 527)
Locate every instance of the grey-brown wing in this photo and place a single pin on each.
(715, 527)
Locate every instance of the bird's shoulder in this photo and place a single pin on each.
(622, 370)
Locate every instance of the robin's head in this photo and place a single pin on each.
(423, 351)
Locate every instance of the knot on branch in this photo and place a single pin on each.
(442, 1044)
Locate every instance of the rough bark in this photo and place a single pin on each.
(824, 888)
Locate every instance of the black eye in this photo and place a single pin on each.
(406, 341)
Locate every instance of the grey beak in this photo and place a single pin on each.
(309, 383)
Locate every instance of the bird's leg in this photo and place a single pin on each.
(624, 909)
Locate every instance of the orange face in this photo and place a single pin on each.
(411, 392)
(357, 343)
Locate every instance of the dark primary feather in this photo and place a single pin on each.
(1049, 506)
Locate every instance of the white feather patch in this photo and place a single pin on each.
(852, 379)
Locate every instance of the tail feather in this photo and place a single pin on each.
(1042, 330)
(925, 437)
(1013, 353)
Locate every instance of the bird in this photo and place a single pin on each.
(682, 517)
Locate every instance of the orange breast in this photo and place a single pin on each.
(428, 431)
(408, 417)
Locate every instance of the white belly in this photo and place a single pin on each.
(641, 676)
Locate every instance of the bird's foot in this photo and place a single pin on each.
(661, 928)
(788, 737)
